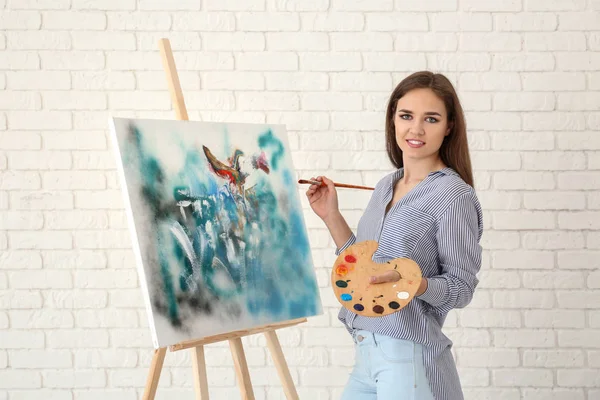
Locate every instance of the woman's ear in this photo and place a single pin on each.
(450, 126)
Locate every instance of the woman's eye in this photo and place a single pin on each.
(431, 119)
(405, 116)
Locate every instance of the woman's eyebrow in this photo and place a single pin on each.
(427, 113)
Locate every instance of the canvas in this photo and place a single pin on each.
(217, 226)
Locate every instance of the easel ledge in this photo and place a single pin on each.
(234, 338)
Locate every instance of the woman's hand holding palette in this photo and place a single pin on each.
(350, 279)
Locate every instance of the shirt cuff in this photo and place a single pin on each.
(348, 243)
(435, 294)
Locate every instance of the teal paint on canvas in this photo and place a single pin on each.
(219, 230)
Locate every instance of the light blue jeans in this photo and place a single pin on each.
(387, 369)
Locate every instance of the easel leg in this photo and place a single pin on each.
(199, 368)
(154, 373)
(241, 369)
(282, 368)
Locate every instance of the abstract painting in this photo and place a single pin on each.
(217, 226)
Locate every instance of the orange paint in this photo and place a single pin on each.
(341, 270)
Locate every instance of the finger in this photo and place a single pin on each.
(390, 276)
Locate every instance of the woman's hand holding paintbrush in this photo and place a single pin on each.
(322, 196)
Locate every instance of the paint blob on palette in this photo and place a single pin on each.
(217, 226)
(350, 281)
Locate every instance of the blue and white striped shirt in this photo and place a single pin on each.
(438, 224)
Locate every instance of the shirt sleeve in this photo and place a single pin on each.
(458, 236)
(348, 243)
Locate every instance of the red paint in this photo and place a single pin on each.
(410, 282)
(350, 258)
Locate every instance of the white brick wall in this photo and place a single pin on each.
(72, 321)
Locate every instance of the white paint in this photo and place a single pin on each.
(403, 295)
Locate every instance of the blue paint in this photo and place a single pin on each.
(359, 307)
(346, 297)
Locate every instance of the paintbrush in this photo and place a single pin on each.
(342, 185)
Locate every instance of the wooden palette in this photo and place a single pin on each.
(350, 281)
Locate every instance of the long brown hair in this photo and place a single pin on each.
(454, 151)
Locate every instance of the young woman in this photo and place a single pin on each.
(425, 210)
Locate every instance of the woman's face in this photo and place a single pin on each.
(421, 123)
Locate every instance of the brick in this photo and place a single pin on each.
(138, 21)
(593, 240)
(106, 199)
(180, 41)
(104, 41)
(38, 40)
(497, 42)
(553, 394)
(155, 80)
(525, 21)
(394, 22)
(39, 160)
(524, 180)
(19, 60)
(465, 62)
(473, 101)
(86, 160)
(309, 81)
(500, 240)
(330, 62)
(524, 101)
(80, 259)
(577, 61)
(391, 62)
(460, 22)
(46, 359)
(269, 61)
(525, 62)
(76, 299)
(331, 101)
(138, 100)
(41, 319)
(15, 140)
(299, 5)
(364, 121)
(523, 299)
(367, 41)
(268, 101)
(492, 161)
(268, 21)
(523, 259)
(577, 181)
(574, 220)
(552, 161)
(494, 200)
(593, 200)
(593, 160)
(298, 41)
(485, 358)
(554, 319)
(232, 5)
(11, 180)
(586, 140)
(73, 20)
(578, 377)
(20, 100)
(76, 219)
(203, 21)
(319, 141)
(522, 377)
(553, 358)
(575, 101)
(104, 5)
(298, 121)
(429, 6)
(553, 240)
(49, 394)
(192, 5)
(468, 337)
(361, 81)
(108, 358)
(578, 21)
(106, 279)
(426, 42)
(490, 81)
(555, 200)
(578, 259)
(142, 60)
(20, 20)
(77, 338)
(234, 41)
(593, 280)
(14, 339)
(20, 379)
(19, 220)
(72, 60)
(20, 260)
(490, 5)
(579, 300)
(67, 378)
(41, 200)
(554, 81)
(557, 121)
(102, 239)
(106, 319)
(38, 80)
(554, 41)
(37, 120)
(74, 180)
(522, 142)
(335, 22)
(103, 80)
(490, 319)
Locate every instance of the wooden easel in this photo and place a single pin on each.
(234, 338)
